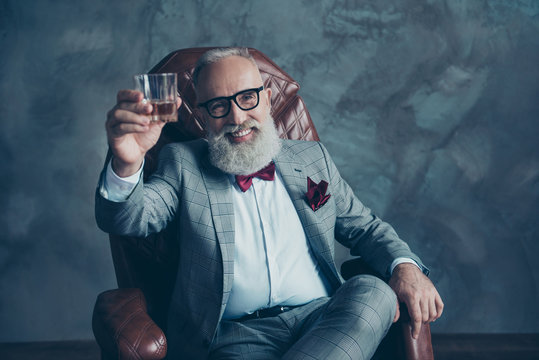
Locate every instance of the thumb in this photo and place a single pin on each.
(397, 313)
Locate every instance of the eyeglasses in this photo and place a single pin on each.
(245, 99)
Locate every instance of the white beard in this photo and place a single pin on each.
(246, 157)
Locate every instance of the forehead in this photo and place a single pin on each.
(226, 77)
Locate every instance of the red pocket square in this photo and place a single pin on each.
(316, 193)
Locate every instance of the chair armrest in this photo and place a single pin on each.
(123, 328)
(411, 349)
(414, 349)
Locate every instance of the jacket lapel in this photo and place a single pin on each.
(294, 174)
(222, 211)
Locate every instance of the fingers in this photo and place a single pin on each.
(416, 318)
(422, 310)
(121, 122)
(435, 307)
(128, 116)
(439, 305)
(427, 309)
(129, 95)
(432, 313)
(132, 100)
(418, 293)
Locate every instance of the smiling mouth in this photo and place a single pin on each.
(241, 133)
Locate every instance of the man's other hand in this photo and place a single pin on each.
(418, 293)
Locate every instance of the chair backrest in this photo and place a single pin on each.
(151, 263)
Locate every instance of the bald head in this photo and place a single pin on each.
(217, 54)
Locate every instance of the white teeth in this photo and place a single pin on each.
(241, 133)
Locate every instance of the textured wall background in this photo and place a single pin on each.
(429, 108)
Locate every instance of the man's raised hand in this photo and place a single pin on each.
(130, 133)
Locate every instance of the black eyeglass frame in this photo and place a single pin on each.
(233, 97)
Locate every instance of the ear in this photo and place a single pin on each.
(268, 96)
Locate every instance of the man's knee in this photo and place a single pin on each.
(352, 323)
(371, 291)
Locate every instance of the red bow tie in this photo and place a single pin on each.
(267, 173)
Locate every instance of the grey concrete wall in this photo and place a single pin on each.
(430, 109)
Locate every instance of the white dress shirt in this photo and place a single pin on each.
(273, 263)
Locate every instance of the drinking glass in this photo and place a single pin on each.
(160, 90)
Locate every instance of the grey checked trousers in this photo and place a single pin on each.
(349, 325)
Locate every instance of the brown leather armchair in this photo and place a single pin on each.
(130, 322)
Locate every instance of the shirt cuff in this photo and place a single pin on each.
(116, 188)
(403, 260)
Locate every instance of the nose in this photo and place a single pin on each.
(236, 116)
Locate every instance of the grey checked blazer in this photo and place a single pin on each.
(187, 187)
